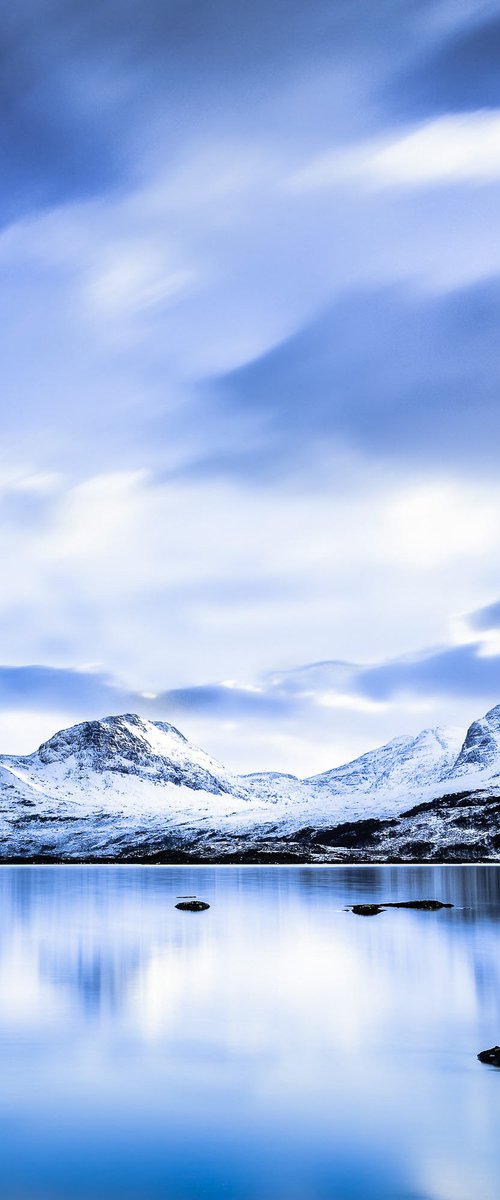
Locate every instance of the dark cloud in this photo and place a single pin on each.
(56, 137)
(83, 85)
(218, 701)
(61, 688)
(86, 87)
(282, 700)
(461, 74)
(485, 618)
(458, 671)
(389, 372)
(91, 694)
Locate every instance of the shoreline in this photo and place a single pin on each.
(207, 863)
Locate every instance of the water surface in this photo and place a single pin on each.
(274, 1047)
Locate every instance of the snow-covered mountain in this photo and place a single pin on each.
(125, 786)
(405, 764)
(117, 748)
(379, 783)
(481, 748)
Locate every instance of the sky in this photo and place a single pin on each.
(249, 365)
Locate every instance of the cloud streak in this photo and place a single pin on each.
(457, 148)
(384, 371)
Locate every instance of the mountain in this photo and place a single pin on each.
(125, 787)
(123, 746)
(103, 785)
(481, 749)
(407, 762)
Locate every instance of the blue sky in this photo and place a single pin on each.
(250, 262)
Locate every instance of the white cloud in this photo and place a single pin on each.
(431, 524)
(349, 702)
(455, 149)
(23, 731)
(234, 572)
(452, 149)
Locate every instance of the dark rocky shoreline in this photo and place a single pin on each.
(251, 857)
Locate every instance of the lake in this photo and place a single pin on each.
(274, 1047)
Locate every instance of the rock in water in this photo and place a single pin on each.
(192, 905)
(492, 1057)
(372, 910)
(366, 910)
(424, 905)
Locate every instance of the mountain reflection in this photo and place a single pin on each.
(276, 1018)
(95, 934)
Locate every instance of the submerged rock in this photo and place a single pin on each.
(192, 905)
(492, 1057)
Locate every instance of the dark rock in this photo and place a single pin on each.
(425, 905)
(439, 805)
(372, 910)
(192, 905)
(492, 1057)
(415, 850)
(352, 834)
(366, 910)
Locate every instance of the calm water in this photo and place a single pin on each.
(272, 1048)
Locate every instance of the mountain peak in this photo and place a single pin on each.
(126, 734)
(127, 744)
(404, 762)
(481, 747)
